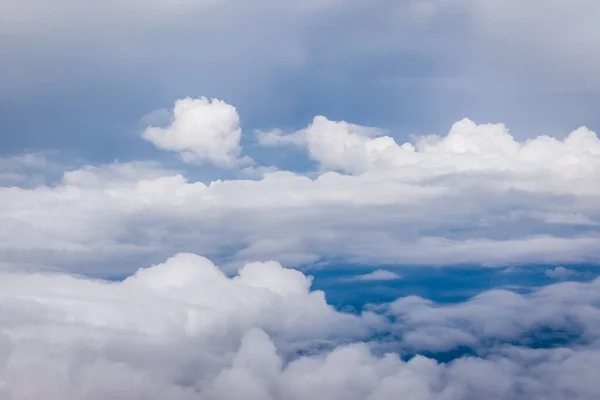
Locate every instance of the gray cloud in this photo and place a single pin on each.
(561, 272)
(419, 70)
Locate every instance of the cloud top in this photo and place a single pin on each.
(340, 146)
(202, 131)
(473, 196)
(184, 330)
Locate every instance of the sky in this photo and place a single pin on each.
(341, 199)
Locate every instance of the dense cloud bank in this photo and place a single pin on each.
(476, 196)
(184, 330)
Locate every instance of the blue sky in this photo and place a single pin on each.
(269, 200)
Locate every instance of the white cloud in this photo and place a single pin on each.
(377, 275)
(202, 131)
(337, 145)
(476, 195)
(184, 330)
(561, 272)
(473, 55)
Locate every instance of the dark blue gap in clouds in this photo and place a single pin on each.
(448, 284)
(542, 338)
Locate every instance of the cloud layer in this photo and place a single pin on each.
(473, 196)
(183, 330)
(79, 320)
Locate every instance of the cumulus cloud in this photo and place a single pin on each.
(377, 275)
(454, 47)
(337, 145)
(187, 296)
(203, 131)
(561, 272)
(184, 330)
(474, 196)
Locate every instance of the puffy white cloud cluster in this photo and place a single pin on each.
(184, 330)
(168, 331)
(337, 145)
(187, 296)
(476, 195)
(203, 131)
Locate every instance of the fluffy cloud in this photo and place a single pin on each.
(202, 131)
(453, 51)
(184, 330)
(476, 195)
(187, 296)
(337, 145)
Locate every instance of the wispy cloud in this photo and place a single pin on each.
(377, 275)
(561, 272)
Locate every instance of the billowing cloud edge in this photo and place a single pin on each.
(182, 329)
(474, 196)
